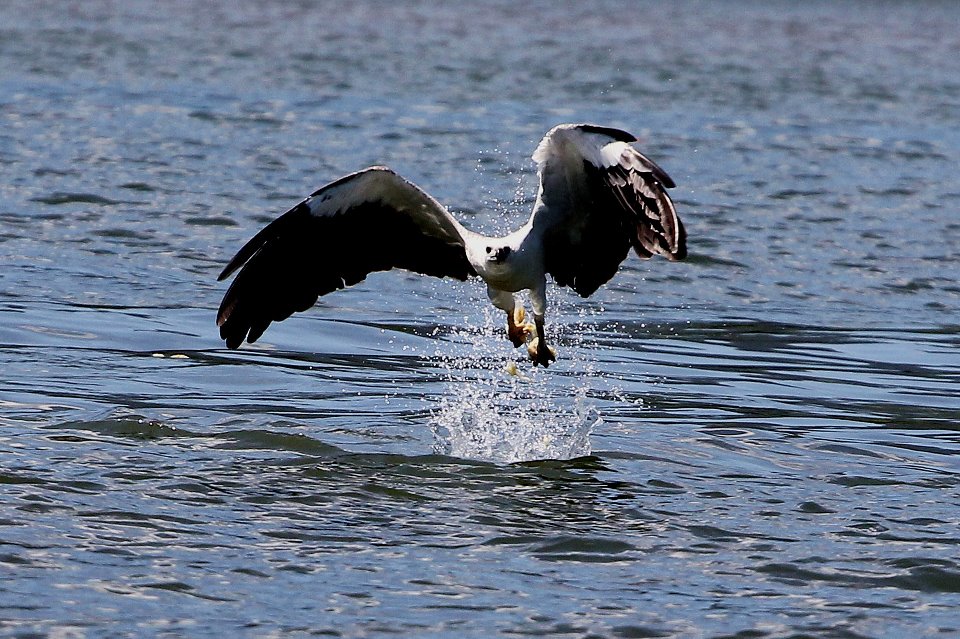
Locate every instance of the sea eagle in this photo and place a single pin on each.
(598, 197)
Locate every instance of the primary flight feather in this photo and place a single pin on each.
(598, 198)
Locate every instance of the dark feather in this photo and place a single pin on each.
(585, 253)
(303, 255)
(608, 211)
(648, 209)
(618, 135)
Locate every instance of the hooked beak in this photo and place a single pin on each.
(499, 255)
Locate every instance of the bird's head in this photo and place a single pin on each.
(498, 255)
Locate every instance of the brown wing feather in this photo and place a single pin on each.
(642, 198)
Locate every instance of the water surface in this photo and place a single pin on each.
(761, 441)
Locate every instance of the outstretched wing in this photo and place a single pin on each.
(598, 197)
(372, 220)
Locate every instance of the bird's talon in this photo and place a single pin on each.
(519, 331)
(539, 355)
(517, 335)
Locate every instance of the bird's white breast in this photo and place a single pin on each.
(523, 268)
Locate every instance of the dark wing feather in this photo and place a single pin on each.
(372, 220)
(638, 185)
(599, 197)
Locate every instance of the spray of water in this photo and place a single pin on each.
(496, 406)
(499, 408)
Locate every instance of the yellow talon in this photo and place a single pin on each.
(517, 330)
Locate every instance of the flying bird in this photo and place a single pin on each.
(598, 198)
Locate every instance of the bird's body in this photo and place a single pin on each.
(598, 197)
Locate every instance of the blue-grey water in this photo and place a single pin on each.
(761, 441)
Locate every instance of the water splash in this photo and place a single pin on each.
(495, 426)
(495, 414)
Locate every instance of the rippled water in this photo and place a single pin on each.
(761, 441)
